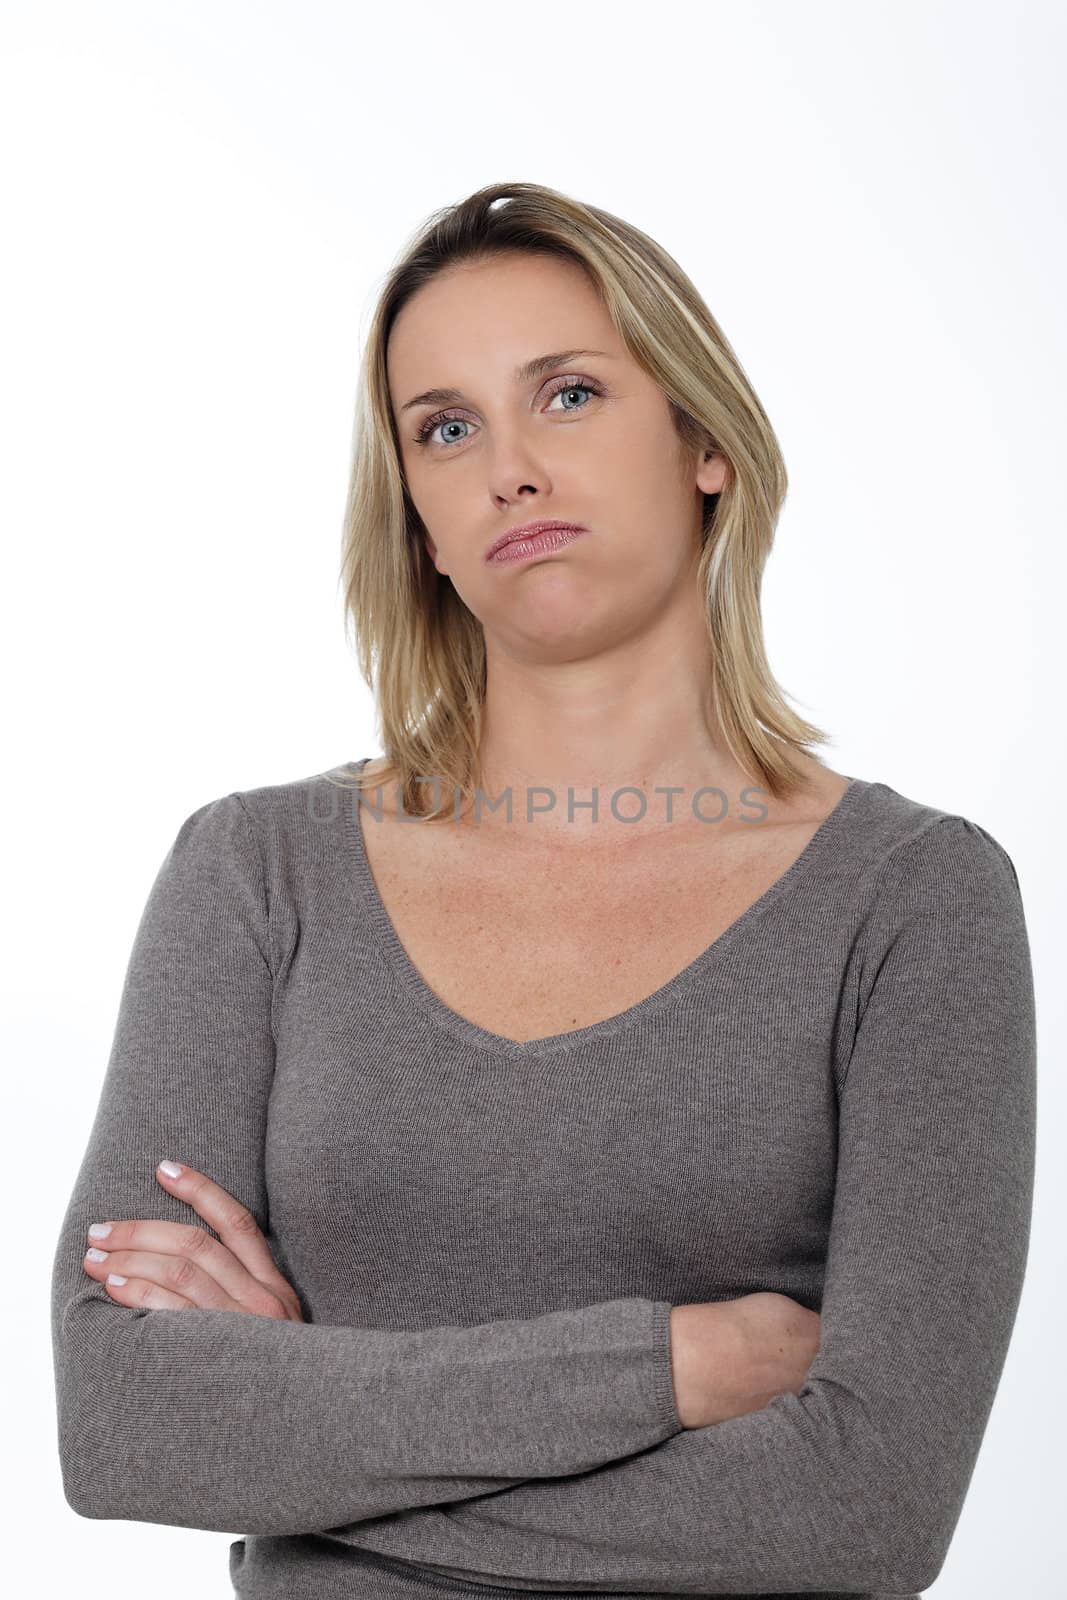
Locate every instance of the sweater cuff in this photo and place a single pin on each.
(664, 1369)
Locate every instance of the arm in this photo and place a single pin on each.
(221, 1420)
(857, 1482)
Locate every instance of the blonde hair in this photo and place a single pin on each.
(420, 650)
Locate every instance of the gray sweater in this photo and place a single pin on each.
(836, 1101)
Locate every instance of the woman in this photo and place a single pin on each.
(637, 1180)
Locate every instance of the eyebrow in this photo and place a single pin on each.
(523, 374)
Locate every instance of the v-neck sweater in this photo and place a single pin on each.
(834, 1101)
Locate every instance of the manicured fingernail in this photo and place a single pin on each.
(96, 1255)
(114, 1277)
(99, 1230)
(171, 1169)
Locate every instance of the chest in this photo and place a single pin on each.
(529, 942)
(418, 1177)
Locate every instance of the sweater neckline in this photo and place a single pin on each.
(419, 994)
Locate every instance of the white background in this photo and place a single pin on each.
(199, 203)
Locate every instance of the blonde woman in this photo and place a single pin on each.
(624, 1121)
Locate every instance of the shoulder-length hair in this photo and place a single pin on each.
(419, 648)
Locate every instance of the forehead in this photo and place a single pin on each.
(480, 322)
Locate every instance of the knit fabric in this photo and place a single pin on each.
(835, 1101)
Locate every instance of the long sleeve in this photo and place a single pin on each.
(228, 1421)
(857, 1482)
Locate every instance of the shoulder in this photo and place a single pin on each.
(945, 890)
(270, 825)
(941, 947)
(298, 794)
(898, 839)
(278, 812)
(930, 848)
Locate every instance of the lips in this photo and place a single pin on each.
(526, 529)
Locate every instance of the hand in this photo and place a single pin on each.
(731, 1357)
(170, 1266)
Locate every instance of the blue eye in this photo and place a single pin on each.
(562, 386)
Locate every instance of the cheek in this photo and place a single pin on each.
(641, 457)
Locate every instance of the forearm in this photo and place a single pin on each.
(220, 1420)
(778, 1501)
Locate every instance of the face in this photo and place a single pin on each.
(588, 439)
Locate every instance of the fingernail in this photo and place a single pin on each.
(171, 1169)
(99, 1230)
(114, 1277)
(96, 1255)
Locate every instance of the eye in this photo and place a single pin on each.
(561, 386)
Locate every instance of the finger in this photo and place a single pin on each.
(235, 1226)
(189, 1263)
(168, 1251)
(175, 1277)
(139, 1292)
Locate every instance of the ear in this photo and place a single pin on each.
(713, 471)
